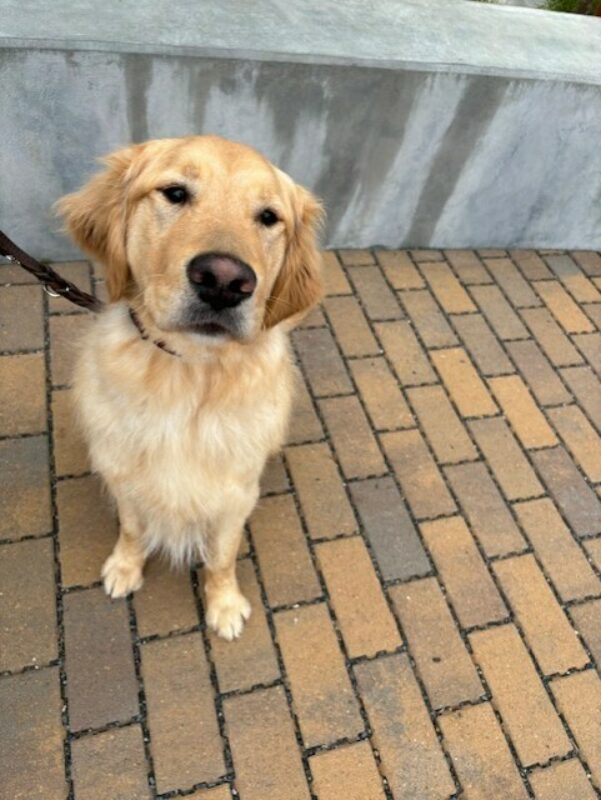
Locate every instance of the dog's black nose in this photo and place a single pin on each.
(221, 280)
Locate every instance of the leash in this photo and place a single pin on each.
(54, 285)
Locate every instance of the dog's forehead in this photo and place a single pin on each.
(207, 157)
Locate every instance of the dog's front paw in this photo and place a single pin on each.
(120, 576)
(226, 615)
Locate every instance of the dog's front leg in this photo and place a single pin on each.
(122, 571)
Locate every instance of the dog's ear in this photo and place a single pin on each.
(298, 286)
(95, 216)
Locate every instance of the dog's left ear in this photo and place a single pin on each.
(298, 286)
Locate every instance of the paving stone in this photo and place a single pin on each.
(467, 266)
(101, 684)
(350, 327)
(593, 548)
(304, 424)
(185, 741)
(547, 630)
(519, 695)
(491, 252)
(448, 291)
(443, 428)
(426, 255)
(356, 257)
(221, 792)
(70, 450)
(501, 316)
(334, 279)
(530, 264)
(527, 421)
(579, 699)
(593, 311)
(31, 746)
(377, 298)
(274, 479)
(508, 277)
(399, 269)
(390, 531)
(480, 754)
(314, 319)
(321, 492)
(24, 487)
(589, 260)
(580, 438)
(563, 308)
(482, 345)
(77, 272)
(384, 401)
(579, 286)
(21, 320)
(562, 781)
(266, 757)
(590, 346)
(65, 335)
(405, 353)
(166, 601)
(463, 383)
(587, 620)
(325, 369)
(365, 621)
(319, 682)
(587, 390)
(553, 341)
(427, 317)
(13, 273)
(538, 373)
(357, 450)
(27, 604)
(22, 394)
(443, 662)
(348, 772)
(412, 759)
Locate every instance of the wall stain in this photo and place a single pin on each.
(137, 70)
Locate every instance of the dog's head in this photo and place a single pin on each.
(206, 233)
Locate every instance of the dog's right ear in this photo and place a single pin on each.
(96, 215)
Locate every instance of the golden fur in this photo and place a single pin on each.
(181, 440)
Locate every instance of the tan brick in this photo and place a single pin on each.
(491, 252)
(593, 311)
(589, 260)
(77, 272)
(519, 695)
(304, 424)
(250, 659)
(65, 335)
(266, 757)
(323, 365)
(282, 552)
(501, 316)
(412, 760)
(21, 318)
(579, 700)
(399, 269)
(221, 792)
(441, 657)
(185, 741)
(507, 461)
(510, 280)
(467, 266)
(334, 279)
(482, 344)
(110, 764)
(31, 740)
(87, 530)
(464, 573)
(590, 346)
(348, 772)
(319, 682)
(27, 604)
(405, 353)
(166, 601)
(379, 302)
(593, 548)
(580, 438)
(485, 509)
(13, 273)
(587, 620)
(554, 343)
(350, 327)
(383, 399)
(356, 257)
(528, 423)
(274, 479)
(426, 255)
(443, 428)
(563, 308)
(22, 394)
(420, 479)
(547, 630)
(565, 780)
(480, 754)
(70, 449)
(561, 557)
(531, 264)
(364, 618)
(354, 443)
(427, 317)
(322, 496)
(538, 373)
(464, 385)
(24, 487)
(314, 319)
(579, 286)
(447, 289)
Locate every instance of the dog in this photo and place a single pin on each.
(184, 383)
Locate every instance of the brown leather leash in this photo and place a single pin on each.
(53, 283)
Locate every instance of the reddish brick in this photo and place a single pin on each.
(482, 344)
(581, 289)
(65, 335)
(356, 257)
(274, 479)
(501, 316)
(27, 604)
(427, 317)
(70, 450)
(354, 443)
(464, 385)
(509, 279)
(563, 308)
(580, 438)
(304, 425)
(531, 264)
(321, 492)
(579, 700)
(590, 346)
(166, 601)
(555, 344)
(587, 389)
(547, 630)
(467, 266)
(348, 772)
(185, 742)
(509, 465)
(350, 327)
(442, 426)
(441, 657)
(77, 272)
(22, 394)
(21, 318)
(418, 475)
(529, 424)
(405, 353)
(561, 557)
(519, 695)
(319, 682)
(282, 552)
(110, 764)
(480, 754)
(266, 758)
(325, 369)
(383, 399)
(399, 269)
(31, 740)
(562, 781)
(587, 619)
(589, 260)
(334, 279)
(412, 760)
(378, 300)
(538, 373)
(364, 618)
(24, 487)
(449, 292)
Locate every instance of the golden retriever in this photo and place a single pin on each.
(184, 383)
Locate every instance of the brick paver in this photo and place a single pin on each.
(424, 565)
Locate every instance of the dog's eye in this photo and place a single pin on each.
(268, 217)
(175, 194)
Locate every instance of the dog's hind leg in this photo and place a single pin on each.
(122, 571)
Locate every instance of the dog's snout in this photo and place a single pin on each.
(221, 280)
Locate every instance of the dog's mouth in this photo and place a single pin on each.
(210, 329)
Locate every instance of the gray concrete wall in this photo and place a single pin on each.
(409, 145)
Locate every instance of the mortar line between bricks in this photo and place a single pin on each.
(567, 289)
(30, 538)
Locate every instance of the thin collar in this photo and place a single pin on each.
(144, 335)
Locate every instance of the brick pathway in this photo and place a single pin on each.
(424, 565)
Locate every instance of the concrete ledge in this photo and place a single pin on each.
(438, 124)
